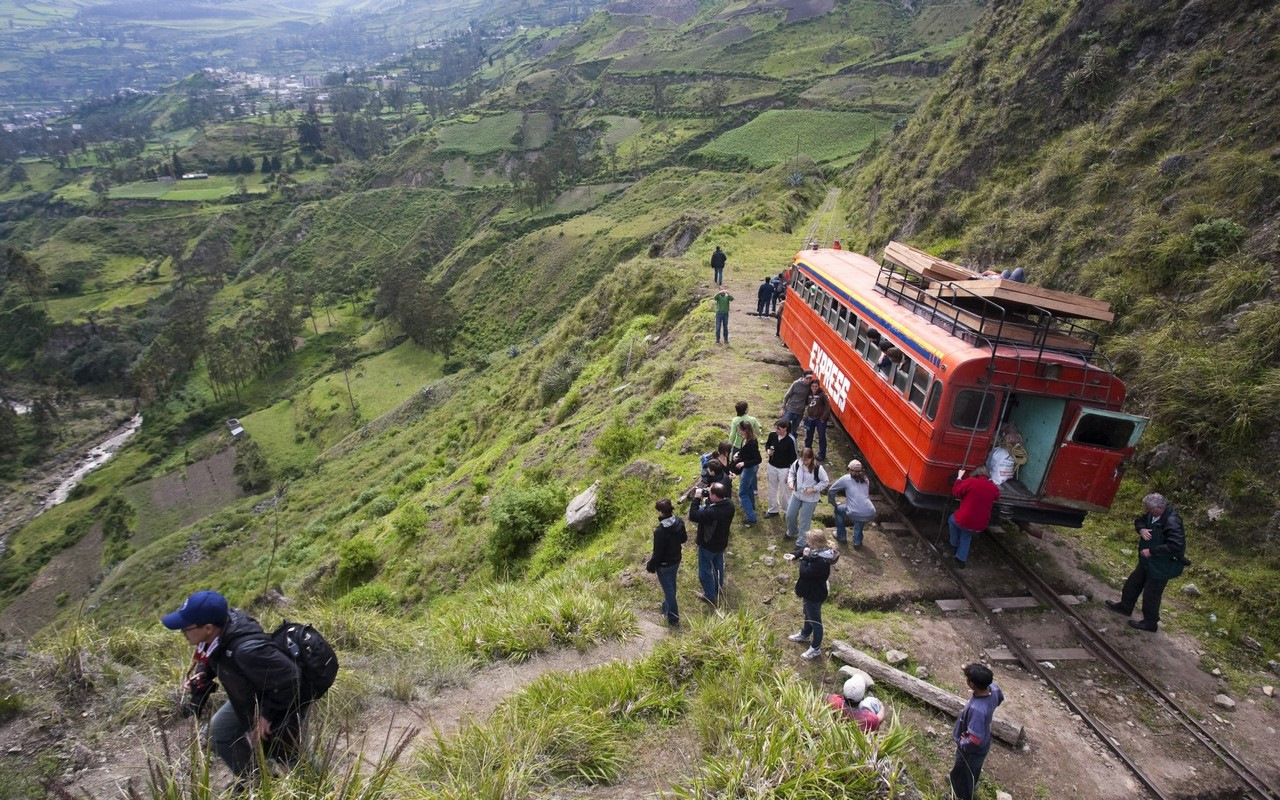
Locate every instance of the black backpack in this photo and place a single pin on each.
(316, 660)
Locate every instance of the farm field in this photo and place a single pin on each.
(215, 187)
(489, 134)
(825, 136)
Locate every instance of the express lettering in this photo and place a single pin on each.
(833, 378)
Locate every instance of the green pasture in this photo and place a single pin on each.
(537, 130)
(490, 134)
(42, 176)
(825, 136)
(580, 198)
(460, 172)
(621, 129)
(215, 187)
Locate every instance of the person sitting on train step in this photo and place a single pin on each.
(857, 506)
(977, 496)
(764, 295)
(816, 417)
(796, 400)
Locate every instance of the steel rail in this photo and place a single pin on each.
(1104, 650)
(1028, 661)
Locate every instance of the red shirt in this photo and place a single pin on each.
(977, 496)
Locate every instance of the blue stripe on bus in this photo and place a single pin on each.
(911, 343)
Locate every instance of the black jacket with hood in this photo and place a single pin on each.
(667, 538)
(256, 674)
(713, 521)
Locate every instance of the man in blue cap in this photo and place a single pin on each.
(260, 679)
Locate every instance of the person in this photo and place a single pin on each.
(835, 245)
(722, 301)
(1162, 545)
(746, 467)
(735, 438)
(806, 479)
(778, 289)
(712, 537)
(890, 358)
(811, 587)
(816, 416)
(796, 400)
(782, 451)
(665, 561)
(977, 496)
(721, 454)
(717, 265)
(718, 473)
(857, 507)
(972, 733)
(764, 295)
(262, 683)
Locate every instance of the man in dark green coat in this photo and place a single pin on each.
(1162, 546)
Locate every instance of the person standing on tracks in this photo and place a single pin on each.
(977, 496)
(807, 479)
(722, 301)
(665, 560)
(782, 451)
(713, 522)
(717, 265)
(1162, 545)
(816, 417)
(857, 507)
(972, 733)
(796, 401)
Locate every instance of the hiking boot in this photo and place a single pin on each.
(811, 654)
(798, 637)
(1142, 625)
(1116, 607)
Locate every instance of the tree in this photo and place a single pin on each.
(178, 169)
(246, 165)
(266, 165)
(275, 163)
(298, 166)
(101, 186)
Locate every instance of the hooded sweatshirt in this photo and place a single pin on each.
(667, 538)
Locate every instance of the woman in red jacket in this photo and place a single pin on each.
(977, 495)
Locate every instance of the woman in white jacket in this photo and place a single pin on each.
(807, 479)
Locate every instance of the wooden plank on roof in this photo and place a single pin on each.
(1061, 303)
(926, 265)
(1018, 332)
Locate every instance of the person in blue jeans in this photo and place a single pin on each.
(817, 416)
(972, 733)
(722, 301)
(717, 265)
(665, 560)
(713, 520)
(857, 507)
(807, 480)
(811, 587)
(747, 465)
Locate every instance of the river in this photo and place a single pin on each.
(96, 457)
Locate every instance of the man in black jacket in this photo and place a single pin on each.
(1162, 545)
(713, 521)
(665, 561)
(260, 679)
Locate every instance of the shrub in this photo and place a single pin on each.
(381, 506)
(357, 561)
(520, 516)
(410, 523)
(559, 374)
(251, 470)
(620, 441)
(1216, 238)
(366, 496)
(371, 596)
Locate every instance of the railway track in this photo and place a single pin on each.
(1253, 785)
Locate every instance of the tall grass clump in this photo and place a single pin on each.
(520, 516)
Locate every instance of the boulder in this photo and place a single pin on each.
(582, 509)
(1222, 701)
(895, 657)
(1191, 590)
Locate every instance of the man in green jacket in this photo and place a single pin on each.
(1162, 545)
(722, 300)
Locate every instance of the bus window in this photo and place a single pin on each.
(973, 410)
(872, 353)
(842, 321)
(902, 374)
(851, 333)
(919, 385)
(935, 397)
(833, 308)
(1110, 432)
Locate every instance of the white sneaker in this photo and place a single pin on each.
(798, 637)
(811, 653)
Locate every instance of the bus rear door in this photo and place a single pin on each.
(1087, 466)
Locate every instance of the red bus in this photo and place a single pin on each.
(972, 366)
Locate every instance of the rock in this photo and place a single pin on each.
(1191, 590)
(1003, 796)
(662, 440)
(1269, 691)
(1126, 551)
(582, 509)
(895, 657)
(1274, 666)
(1222, 701)
(768, 561)
(922, 673)
(1215, 513)
(644, 470)
(1215, 672)
(1047, 665)
(1251, 643)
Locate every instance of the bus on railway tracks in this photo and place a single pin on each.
(929, 367)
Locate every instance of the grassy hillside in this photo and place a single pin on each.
(1094, 148)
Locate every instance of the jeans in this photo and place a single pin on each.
(821, 425)
(965, 773)
(762, 307)
(794, 419)
(719, 274)
(812, 621)
(667, 580)
(747, 491)
(722, 324)
(710, 573)
(840, 527)
(799, 518)
(1151, 589)
(779, 494)
(961, 538)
